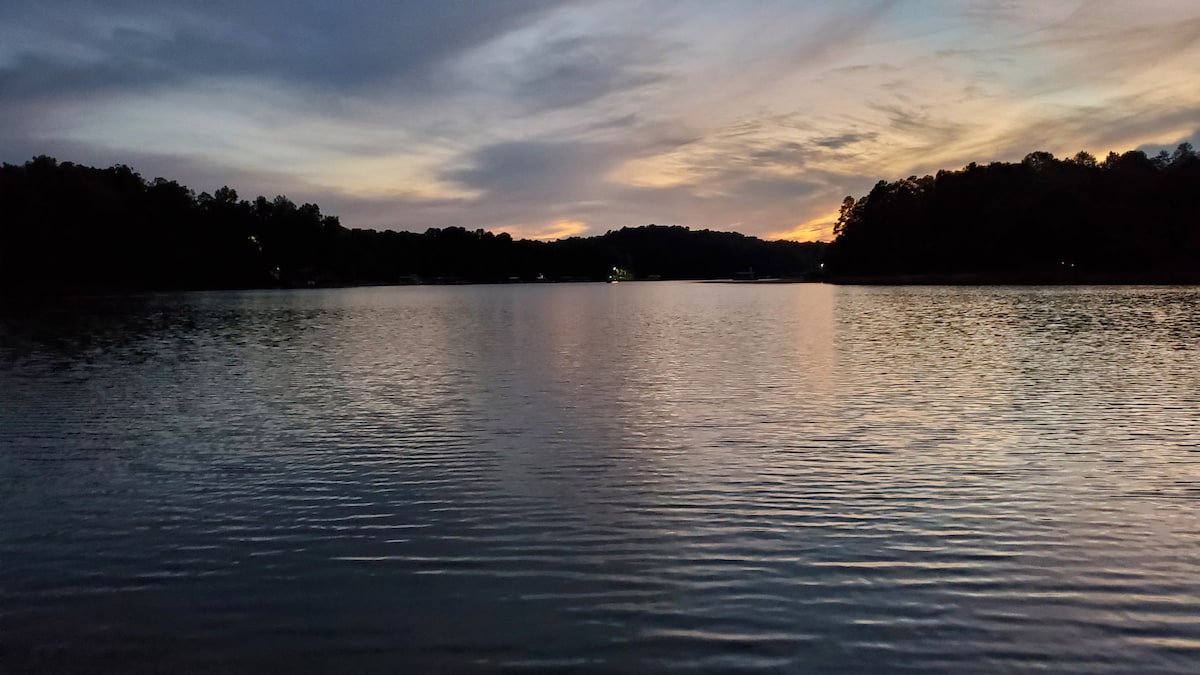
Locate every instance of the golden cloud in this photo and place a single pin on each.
(559, 229)
(817, 229)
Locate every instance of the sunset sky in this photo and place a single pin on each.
(561, 117)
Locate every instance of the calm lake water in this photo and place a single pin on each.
(630, 477)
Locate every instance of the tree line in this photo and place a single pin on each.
(1130, 217)
(65, 227)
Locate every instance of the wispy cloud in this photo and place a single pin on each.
(559, 229)
(551, 118)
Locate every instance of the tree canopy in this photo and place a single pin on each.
(1128, 217)
(68, 227)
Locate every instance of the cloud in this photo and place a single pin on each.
(1152, 149)
(819, 228)
(752, 187)
(845, 139)
(559, 229)
(790, 154)
(574, 71)
(923, 125)
(546, 170)
(73, 46)
(548, 116)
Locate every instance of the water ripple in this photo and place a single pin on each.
(655, 477)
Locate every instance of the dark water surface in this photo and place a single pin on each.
(604, 477)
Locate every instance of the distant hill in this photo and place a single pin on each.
(1128, 218)
(71, 228)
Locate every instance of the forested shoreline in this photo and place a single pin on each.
(1129, 218)
(73, 228)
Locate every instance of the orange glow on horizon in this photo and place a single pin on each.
(559, 229)
(816, 229)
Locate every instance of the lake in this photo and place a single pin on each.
(595, 477)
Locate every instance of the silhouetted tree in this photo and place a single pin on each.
(72, 228)
(1128, 217)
